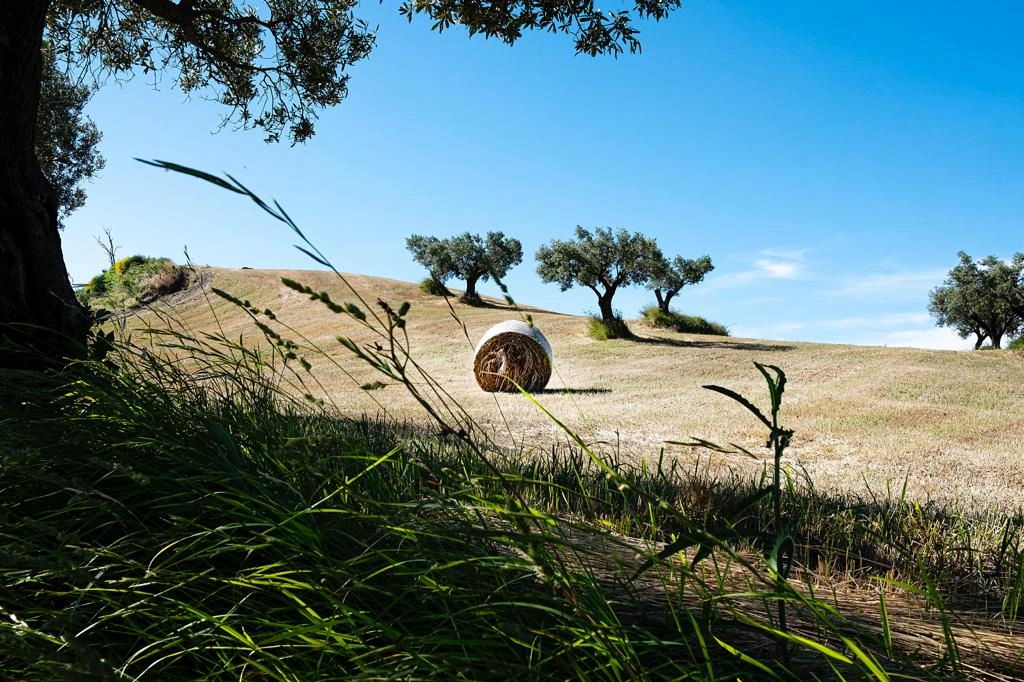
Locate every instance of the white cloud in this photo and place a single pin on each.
(778, 269)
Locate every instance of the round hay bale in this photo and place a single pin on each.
(512, 350)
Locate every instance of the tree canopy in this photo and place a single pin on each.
(673, 275)
(273, 64)
(602, 261)
(276, 63)
(466, 256)
(984, 298)
(430, 252)
(66, 139)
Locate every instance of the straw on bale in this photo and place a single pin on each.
(512, 350)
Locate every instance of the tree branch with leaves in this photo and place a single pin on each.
(672, 276)
(273, 64)
(467, 256)
(602, 261)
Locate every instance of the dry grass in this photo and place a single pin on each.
(950, 424)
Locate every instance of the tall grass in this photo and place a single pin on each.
(174, 511)
(162, 527)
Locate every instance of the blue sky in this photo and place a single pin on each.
(831, 158)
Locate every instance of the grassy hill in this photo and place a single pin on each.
(947, 424)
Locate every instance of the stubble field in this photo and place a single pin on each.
(947, 425)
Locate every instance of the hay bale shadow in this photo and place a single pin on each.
(574, 391)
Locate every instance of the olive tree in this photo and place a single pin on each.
(66, 139)
(672, 276)
(984, 298)
(273, 65)
(469, 257)
(602, 261)
(431, 253)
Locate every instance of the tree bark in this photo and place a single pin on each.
(471, 296)
(40, 319)
(604, 304)
(664, 301)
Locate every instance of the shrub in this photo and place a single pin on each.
(163, 281)
(122, 265)
(133, 280)
(685, 324)
(431, 286)
(602, 331)
(1017, 344)
(96, 286)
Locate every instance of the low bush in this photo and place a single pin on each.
(431, 286)
(685, 324)
(97, 286)
(602, 330)
(1017, 344)
(122, 265)
(131, 281)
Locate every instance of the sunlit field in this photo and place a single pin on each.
(945, 425)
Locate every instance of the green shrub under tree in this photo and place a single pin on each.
(684, 324)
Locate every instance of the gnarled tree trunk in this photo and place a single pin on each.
(604, 305)
(38, 309)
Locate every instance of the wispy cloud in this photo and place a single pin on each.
(887, 321)
(773, 263)
(911, 283)
(906, 330)
(785, 331)
(785, 254)
(774, 269)
(937, 338)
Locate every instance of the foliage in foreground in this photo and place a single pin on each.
(685, 324)
(157, 526)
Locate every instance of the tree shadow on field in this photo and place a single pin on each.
(731, 345)
(574, 391)
(488, 303)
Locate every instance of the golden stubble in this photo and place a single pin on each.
(950, 425)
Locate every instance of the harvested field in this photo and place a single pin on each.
(950, 425)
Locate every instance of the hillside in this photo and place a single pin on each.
(866, 418)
